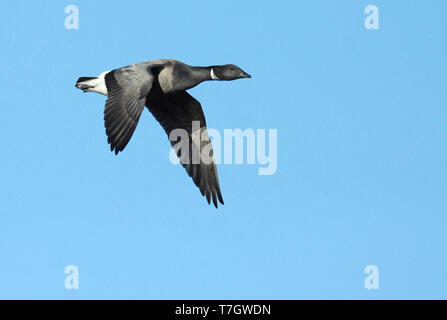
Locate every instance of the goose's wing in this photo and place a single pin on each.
(127, 88)
(178, 111)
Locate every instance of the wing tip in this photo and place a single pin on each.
(214, 195)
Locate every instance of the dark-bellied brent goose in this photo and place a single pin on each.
(161, 86)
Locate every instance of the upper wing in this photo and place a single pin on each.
(178, 111)
(127, 88)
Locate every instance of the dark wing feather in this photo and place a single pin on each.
(178, 111)
(127, 89)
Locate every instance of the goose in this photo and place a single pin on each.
(161, 85)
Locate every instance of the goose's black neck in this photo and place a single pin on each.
(201, 73)
(186, 77)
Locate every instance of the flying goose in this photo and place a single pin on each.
(161, 86)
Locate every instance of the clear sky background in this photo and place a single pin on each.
(362, 157)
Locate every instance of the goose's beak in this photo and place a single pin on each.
(245, 75)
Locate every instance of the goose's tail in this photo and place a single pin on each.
(85, 83)
(93, 84)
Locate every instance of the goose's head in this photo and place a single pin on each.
(228, 72)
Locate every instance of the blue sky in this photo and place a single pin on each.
(362, 157)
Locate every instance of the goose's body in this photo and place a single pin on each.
(161, 86)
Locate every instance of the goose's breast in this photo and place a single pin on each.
(166, 80)
(176, 77)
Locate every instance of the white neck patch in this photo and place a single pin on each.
(213, 76)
